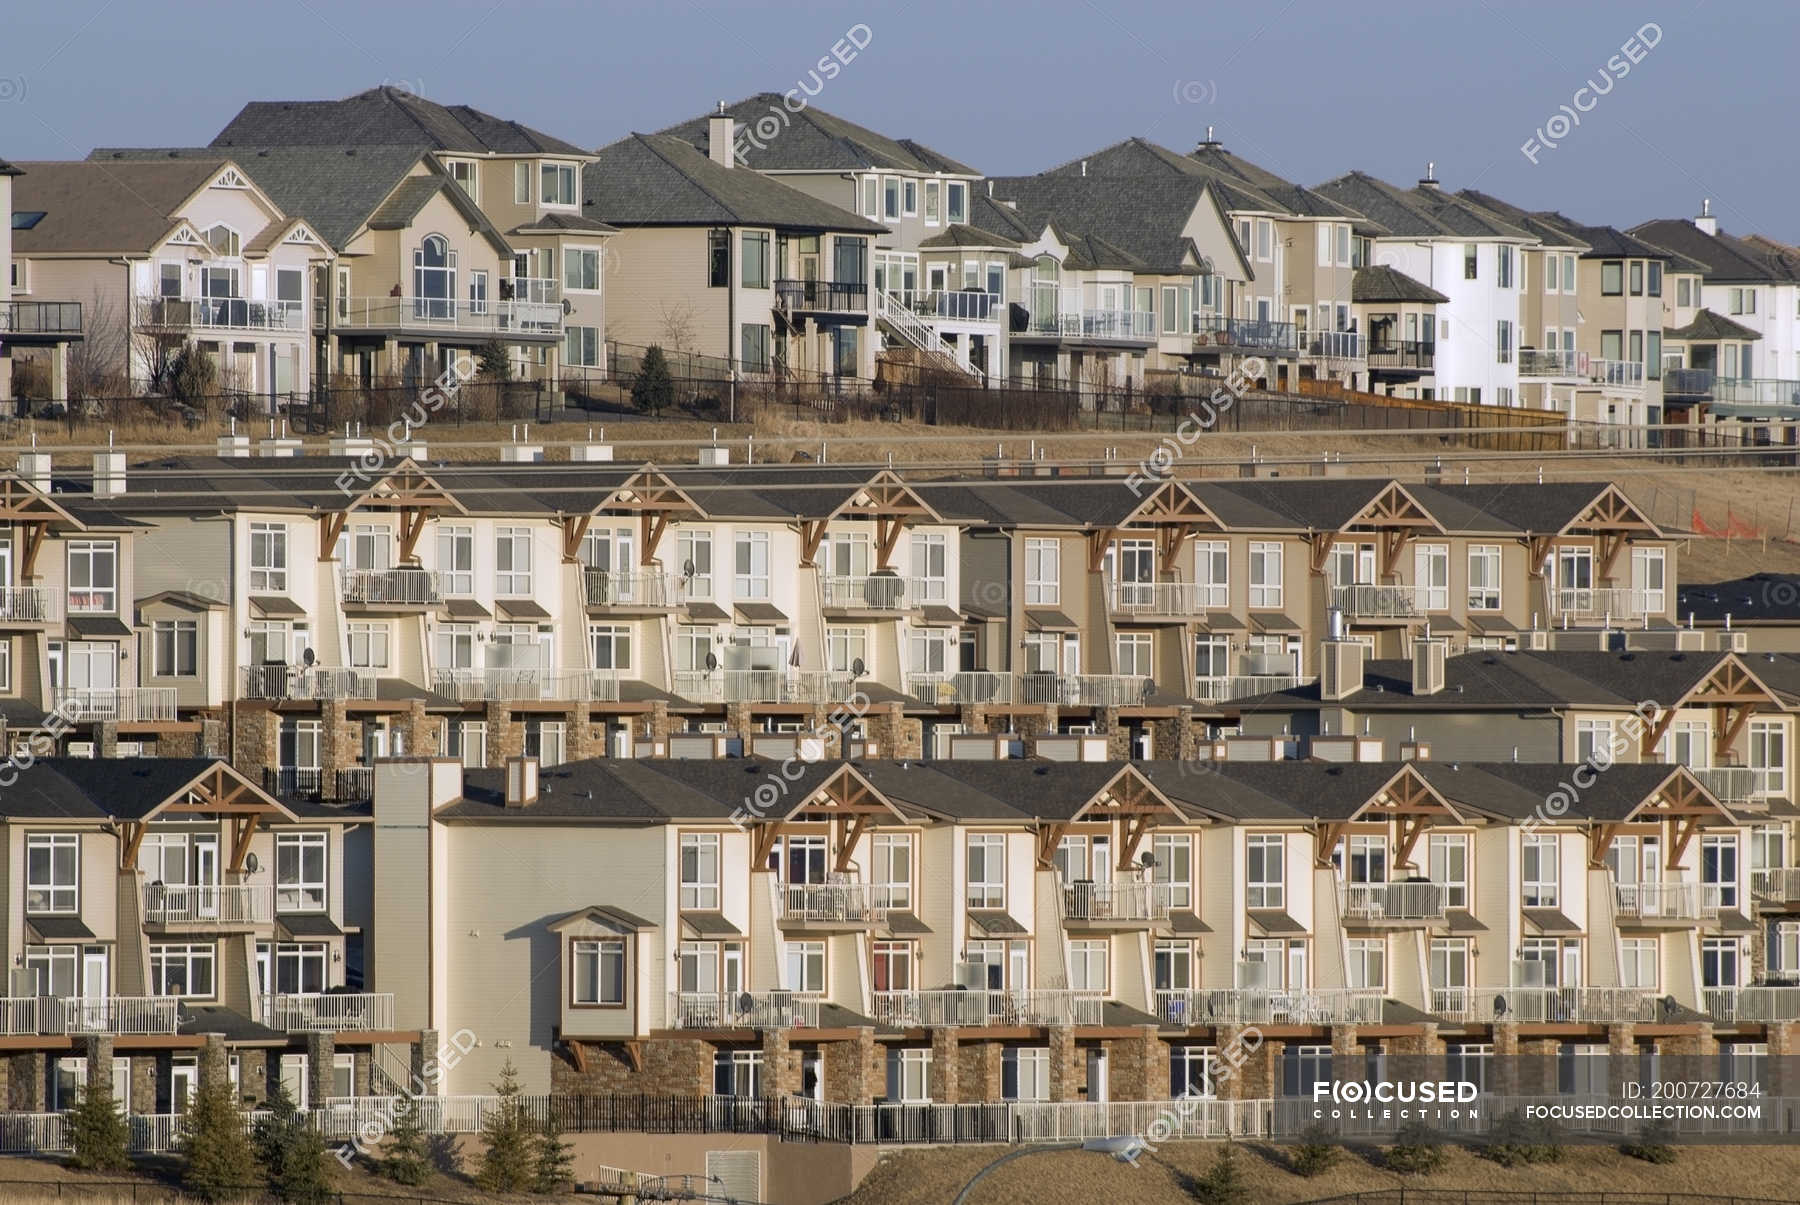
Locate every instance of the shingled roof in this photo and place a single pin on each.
(1419, 212)
(1145, 217)
(92, 207)
(1709, 327)
(814, 140)
(1381, 283)
(1725, 259)
(385, 116)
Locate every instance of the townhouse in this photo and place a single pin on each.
(169, 254)
(31, 332)
(1400, 316)
(716, 259)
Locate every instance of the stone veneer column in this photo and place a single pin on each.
(212, 1058)
(850, 1068)
(425, 1076)
(1506, 1058)
(1346, 1054)
(781, 1064)
(321, 1050)
(980, 1078)
(505, 733)
(420, 730)
(943, 1079)
(1621, 1050)
(1065, 1070)
(98, 1050)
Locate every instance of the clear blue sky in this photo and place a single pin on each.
(1308, 89)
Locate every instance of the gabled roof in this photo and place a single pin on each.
(656, 180)
(1518, 790)
(963, 235)
(1419, 212)
(415, 192)
(1709, 327)
(1552, 228)
(131, 788)
(1145, 217)
(1535, 508)
(813, 140)
(1724, 259)
(1381, 283)
(385, 116)
(96, 208)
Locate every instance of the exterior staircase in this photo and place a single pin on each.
(897, 320)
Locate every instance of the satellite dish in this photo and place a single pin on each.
(1499, 1007)
(1147, 860)
(689, 569)
(308, 656)
(712, 662)
(1669, 1006)
(746, 1002)
(857, 667)
(251, 863)
(1149, 688)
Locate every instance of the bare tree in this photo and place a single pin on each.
(97, 366)
(678, 322)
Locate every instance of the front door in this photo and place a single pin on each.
(206, 875)
(184, 1081)
(1096, 1075)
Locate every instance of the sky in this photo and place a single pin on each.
(1307, 89)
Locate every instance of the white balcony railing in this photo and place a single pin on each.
(610, 588)
(111, 1014)
(329, 1012)
(221, 313)
(832, 903)
(958, 305)
(743, 1010)
(1083, 690)
(953, 690)
(1391, 902)
(1628, 374)
(1550, 362)
(450, 313)
(881, 592)
(1161, 598)
(29, 604)
(1776, 885)
(496, 683)
(1667, 901)
(931, 1009)
(410, 587)
(206, 906)
(1131, 901)
(1386, 602)
(306, 682)
(1547, 1005)
(1601, 604)
(764, 686)
(1735, 784)
(1269, 1006)
(119, 704)
(1751, 1005)
(1244, 686)
(1128, 325)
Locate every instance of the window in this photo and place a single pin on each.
(1720, 964)
(581, 346)
(1550, 262)
(718, 259)
(892, 871)
(1649, 580)
(1612, 278)
(845, 648)
(556, 184)
(1471, 1061)
(1087, 964)
(930, 567)
(610, 644)
(52, 873)
(1503, 338)
(1503, 263)
(456, 560)
(1683, 297)
(512, 561)
(463, 172)
(368, 645)
(1367, 962)
(466, 741)
(1449, 971)
(1173, 966)
(871, 197)
(1484, 577)
(1302, 1067)
(1174, 868)
(1784, 949)
(1265, 875)
(890, 198)
(521, 184)
(581, 269)
(1265, 239)
(597, 977)
(1471, 263)
(750, 551)
(754, 254)
(175, 648)
(1132, 654)
(1768, 756)
(1025, 1073)
(739, 1073)
(1656, 273)
(1638, 963)
(891, 966)
(1431, 568)
(296, 966)
(478, 291)
(755, 350)
(1171, 310)
(1212, 574)
(695, 549)
(1448, 866)
(1719, 867)
(1637, 277)
(806, 966)
(959, 201)
(547, 740)
(1593, 741)
(700, 871)
(300, 872)
(1637, 347)
(94, 575)
(268, 558)
(909, 1075)
(1191, 1072)
(1265, 575)
(182, 970)
(1539, 871)
(1653, 364)
(1568, 273)
(933, 203)
(1043, 559)
(987, 871)
(299, 743)
(6, 660)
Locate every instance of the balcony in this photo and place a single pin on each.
(1692, 384)
(1756, 391)
(1391, 903)
(1083, 690)
(822, 296)
(1776, 887)
(329, 1012)
(1402, 356)
(937, 1009)
(534, 309)
(411, 588)
(1162, 600)
(1385, 602)
(608, 590)
(1550, 362)
(1269, 1006)
(1751, 1005)
(1125, 326)
(175, 906)
(1669, 903)
(763, 686)
(49, 320)
(290, 682)
(881, 593)
(52, 1015)
(1546, 1005)
(1623, 374)
(29, 605)
(1225, 687)
(116, 704)
(1736, 784)
(220, 313)
(1600, 604)
(954, 690)
(521, 684)
(1215, 333)
(1129, 904)
(743, 1010)
(964, 305)
(1332, 345)
(832, 905)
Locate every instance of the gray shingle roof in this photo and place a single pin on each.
(655, 180)
(814, 140)
(1383, 283)
(1724, 259)
(1241, 186)
(964, 235)
(99, 207)
(1708, 326)
(1146, 217)
(385, 116)
(1418, 212)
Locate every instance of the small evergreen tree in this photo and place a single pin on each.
(405, 1161)
(291, 1153)
(1516, 1141)
(506, 1157)
(98, 1135)
(218, 1164)
(1315, 1153)
(654, 389)
(493, 362)
(191, 374)
(1223, 1183)
(555, 1158)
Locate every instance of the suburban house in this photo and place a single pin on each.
(30, 330)
(166, 254)
(1398, 317)
(715, 259)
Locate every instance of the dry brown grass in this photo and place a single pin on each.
(934, 1177)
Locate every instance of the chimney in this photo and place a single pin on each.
(521, 781)
(721, 130)
(1429, 655)
(1706, 222)
(1430, 180)
(109, 474)
(1341, 662)
(34, 466)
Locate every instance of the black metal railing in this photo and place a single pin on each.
(1688, 382)
(40, 318)
(1402, 354)
(836, 296)
(294, 782)
(1253, 334)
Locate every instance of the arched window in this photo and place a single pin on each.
(434, 279)
(223, 240)
(1045, 273)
